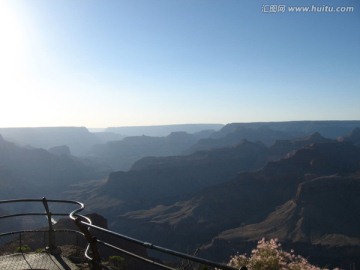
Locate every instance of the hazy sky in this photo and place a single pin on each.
(100, 63)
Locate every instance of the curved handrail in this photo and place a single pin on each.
(72, 215)
(159, 248)
(82, 206)
(51, 242)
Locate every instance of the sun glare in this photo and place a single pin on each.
(12, 40)
(12, 65)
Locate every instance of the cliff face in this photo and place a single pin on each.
(122, 154)
(167, 180)
(78, 139)
(269, 132)
(353, 137)
(34, 172)
(295, 199)
(320, 222)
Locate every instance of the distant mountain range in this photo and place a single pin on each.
(226, 199)
(219, 191)
(163, 130)
(121, 154)
(329, 129)
(114, 149)
(269, 132)
(36, 172)
(78, 139)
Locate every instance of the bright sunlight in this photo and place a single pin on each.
(13, 79)
(12, 40)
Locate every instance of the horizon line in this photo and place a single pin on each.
(182, 124)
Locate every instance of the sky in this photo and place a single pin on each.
(103, 63)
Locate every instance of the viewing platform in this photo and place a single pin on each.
(75, 243)
(44, 260)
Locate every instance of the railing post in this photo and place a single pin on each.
(21, 250)
(92, 241)
(51, 245)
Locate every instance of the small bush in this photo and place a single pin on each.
(268, 255)
(23, 248)
(39, 250)
(117, 261)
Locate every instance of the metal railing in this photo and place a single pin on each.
(92, 253)
(51, 246)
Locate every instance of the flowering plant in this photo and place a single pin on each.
(268, 255)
